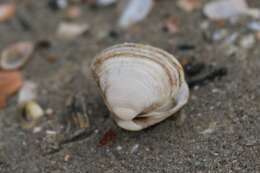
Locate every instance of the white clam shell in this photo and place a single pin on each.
(141, 85)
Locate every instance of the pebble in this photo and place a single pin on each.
(134, 148)
(37, 129)
(189, 5)
(67, 157)
(49, 111)
(119, 148)
(247, 41)
(212, 127)
(231, 38)
(51, 132)
(73, 12)
(219, 35)
(253, 25)
(204, 25)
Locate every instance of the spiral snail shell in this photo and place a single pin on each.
(141, 85)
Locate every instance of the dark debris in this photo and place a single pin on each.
(107, 138)
(198, 73)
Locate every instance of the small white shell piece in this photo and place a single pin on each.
(141, 85)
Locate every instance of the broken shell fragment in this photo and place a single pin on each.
(31, 113)
(134, 11)
(226, 9)
(189, 5)
(27, 93)
(73, 12)
(141, 85)
(10, 82)
(16, 55)
(105, 2)
(7, 11)
(76, 113)
(70, 31)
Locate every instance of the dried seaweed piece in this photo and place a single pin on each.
(192, 69)
(197, 73)
(208, 75)
(75, 120)
(186, 47)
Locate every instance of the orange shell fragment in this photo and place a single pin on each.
(7, 11)
(10, 82)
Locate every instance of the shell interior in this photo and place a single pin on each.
(137, 83)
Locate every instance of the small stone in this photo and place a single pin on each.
(255, 26)
(171, 25)
(196, 87)
(37, 129)
(189, 5)
(204, 25)
(212, 127)
(73, 12)
(247, 41)
(134, 148)
(67, 157)
(119, 148)
(215, 90)
(49, 112)
(219, 35)
(231, 38)
(51, 132)
(231, 50)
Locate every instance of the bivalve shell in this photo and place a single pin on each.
(141, 85)
(16, 55)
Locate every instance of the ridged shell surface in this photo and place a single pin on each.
(139, 83)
